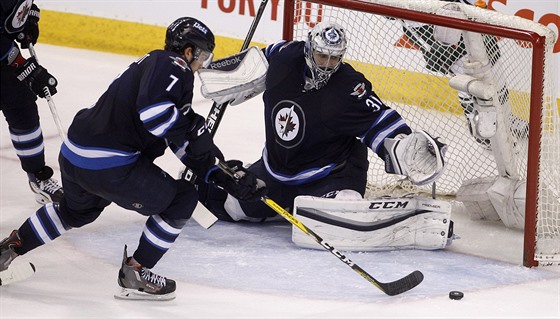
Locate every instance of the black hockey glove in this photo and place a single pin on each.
(246, 188)
(36, 77)
(30, 32)
(201, 151)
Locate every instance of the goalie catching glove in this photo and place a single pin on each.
(418, 156)
(245, 186)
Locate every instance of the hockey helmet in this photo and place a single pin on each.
(324, 49)
(190, 31)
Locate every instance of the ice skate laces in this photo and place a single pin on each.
(50, 185)
(150, 277)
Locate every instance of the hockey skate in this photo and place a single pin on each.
(139, 283)
(45, 187)
(7, 255)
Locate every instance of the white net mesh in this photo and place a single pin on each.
(410, 71)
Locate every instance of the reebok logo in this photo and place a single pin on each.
(221, 64)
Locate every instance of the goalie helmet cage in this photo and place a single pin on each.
(391, 42)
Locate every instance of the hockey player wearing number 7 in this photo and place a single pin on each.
(109, 157)
(320, 117)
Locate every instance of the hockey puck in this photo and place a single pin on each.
(456, 295)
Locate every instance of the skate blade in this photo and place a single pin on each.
(133, 294)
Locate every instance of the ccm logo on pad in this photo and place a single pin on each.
(380, 205)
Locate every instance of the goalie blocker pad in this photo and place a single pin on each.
(374, 225)
(235, 78)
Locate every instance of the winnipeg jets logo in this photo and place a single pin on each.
(21, 14)
(332, 36)
(289, 123)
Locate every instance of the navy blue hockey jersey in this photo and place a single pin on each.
(142, 111)
(308, 133)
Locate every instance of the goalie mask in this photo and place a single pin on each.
(324, 49)
(187, 31)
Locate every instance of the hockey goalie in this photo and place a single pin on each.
(321, 116)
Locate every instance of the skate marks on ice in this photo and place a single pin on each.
(262, 258)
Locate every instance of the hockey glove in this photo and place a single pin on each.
(30, 32)
(418, 156)
(37, 77)
(201, 151)
(245, 186)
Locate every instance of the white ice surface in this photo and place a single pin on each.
(246, 270)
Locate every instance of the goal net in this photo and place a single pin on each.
(485, 86)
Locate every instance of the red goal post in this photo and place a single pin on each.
(384, 43)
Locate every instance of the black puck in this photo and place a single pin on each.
(456, 295)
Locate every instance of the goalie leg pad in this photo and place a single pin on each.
(508, 197)
(495, 198)
(374, 225)
(473, 193)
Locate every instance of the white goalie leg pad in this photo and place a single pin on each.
(508, 197)
(374, 225)
(473, 193)
(418, 156)
(495, 198)
(235, 78)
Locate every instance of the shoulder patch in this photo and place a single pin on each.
(180, 63)
(359, 91)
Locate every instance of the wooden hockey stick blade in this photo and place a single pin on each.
(203, 216)
(16, 273)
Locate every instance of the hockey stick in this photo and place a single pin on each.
(16, 273)
(390, 288)
(217, 111)
(203, 216)
(50, 101)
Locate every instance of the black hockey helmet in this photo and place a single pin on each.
(189, 31)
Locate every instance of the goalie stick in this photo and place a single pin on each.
(390, 288)
(16, 273)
